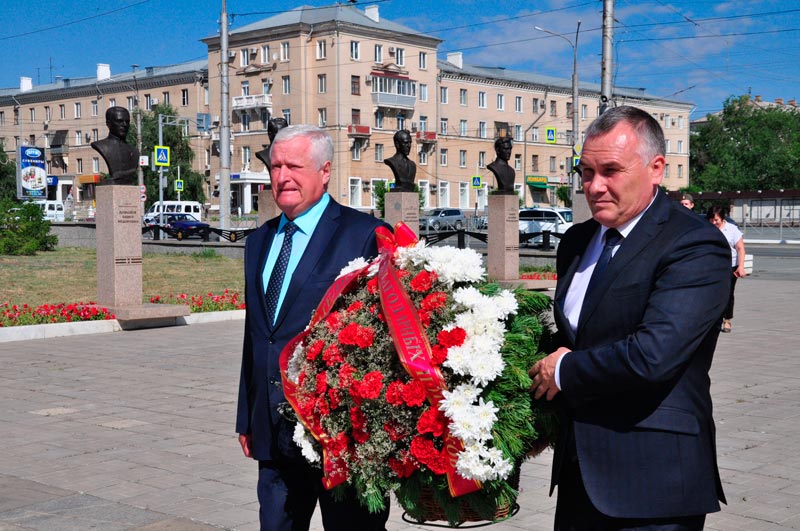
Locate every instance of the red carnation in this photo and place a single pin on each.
(356, 306)
(432, 421)
(357, 418)
(335, 397)
(424, 318)
(423, 281)
(394, 393)
(346, 377)
(322, 406)
(314, 350)
(334, 322)
(322, 383)
(438, 354)
(355, 334)
(452, 338)
(394, 430)
(424, 451)
(434, 301)
(403, 468)
(414, 393)
(372, 285)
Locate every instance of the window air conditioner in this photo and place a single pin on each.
(253, 51)
(391, 50)
(153, 101)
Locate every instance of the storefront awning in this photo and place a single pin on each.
(89, 178)
(536, 181)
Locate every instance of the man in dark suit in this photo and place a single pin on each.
(290, 262)
(636, 339)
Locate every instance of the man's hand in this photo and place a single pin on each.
(245, 441)
(543, 374)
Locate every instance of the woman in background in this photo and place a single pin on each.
(716, 215)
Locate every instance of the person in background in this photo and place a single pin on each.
(688, 201)
(289, 263)
(718, 217)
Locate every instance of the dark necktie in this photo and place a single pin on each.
(612, 238)
(279, 271)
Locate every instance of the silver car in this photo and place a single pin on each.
(443, 218)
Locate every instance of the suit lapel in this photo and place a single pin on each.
(576, 252)
(257, 279)
(318, 244)
(636, 242)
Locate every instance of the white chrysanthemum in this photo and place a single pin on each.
(455, 265)
(460, 397)
(473, 423)
(507, 302)
(354, 265)
(295, 365)
(483, 464)
(468, 296)
(486, 368)
(304, 442)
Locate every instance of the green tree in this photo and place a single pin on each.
(380, 189)
(24, 229)
(563, 195)
(181, 155)
(8, 176)
(747, 147)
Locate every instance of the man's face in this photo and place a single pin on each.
(118, 124)
(688, 204)
(617, 183)
(297, 184)
(403, 144)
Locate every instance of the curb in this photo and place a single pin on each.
(47, 331)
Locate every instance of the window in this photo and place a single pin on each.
(584, 112)
(2, 117)
(462, 97)
(463, 195)
(378, 152)
(501, 102)
(666, 121)
(33, 114)
(356, 150)
(77, 110)
(443, 94)
(322, 49)
(379, 119)
(423, 123)
(666, 145)
(518, 133)
(379, 53)
(535, 134)
(245, 88)
(462, 158)
(569, 109)
(95, 165)
(680, 126)
(355, 116)
(680, 146)
(148, 102)
(244, 57)
(423, 158)
(443, 126)
(264, 119)
(462, 129)
(95, 135)
(47, 115)
(62, 110)
(482, 129)
(165, 98)
(287, 115)
(481, 159)
(552, 164)
(112, 102)
(245, 122)
(94, 108)
(518, 104)
(423, 92)
(534, 162)
(535, 105)
(246, 157)
(284, 51)
(286, 84)
(482, 100)
(680, 171)
(184, 97)
(322, 83)
(400, 57)
(266, 87)
(401, 121)
(553, 108)
(569, 136)
(443, 157)
(355, 191)
(355, 85)
(322, 115)
(518, 162)
(78, 138)
(666, 171)
(79, 164)
(355, 50)
(265, 57)
(423, 60)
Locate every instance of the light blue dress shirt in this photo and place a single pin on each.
(306, 223)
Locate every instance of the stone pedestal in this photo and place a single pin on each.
(119, 259)
(402, 206)
(503, 238)
(267, 208)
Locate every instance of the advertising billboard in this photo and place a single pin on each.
(31, 173)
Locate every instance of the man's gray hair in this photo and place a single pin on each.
(651, 136)
(321, 141)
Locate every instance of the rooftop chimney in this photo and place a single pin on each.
(372, 13)
(103, 71)
(25, 84)
(758, 98)
(779, 101)
(456, 59)
(792, 102)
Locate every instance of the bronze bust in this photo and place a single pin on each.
(403, 168)
(121, 158)
(502, 171)
(273, 126)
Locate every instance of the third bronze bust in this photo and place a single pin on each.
(403, 168)
(121, 158)
(502, 171)
(273, 126)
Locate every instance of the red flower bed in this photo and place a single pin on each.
(16, 315)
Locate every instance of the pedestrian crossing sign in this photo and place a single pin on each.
(161, 155)
(476, 181)
(551, 135)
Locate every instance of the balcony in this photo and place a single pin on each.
(426, 137)
(254, 101)
(59, 150)
(359, 131)
(394, 101)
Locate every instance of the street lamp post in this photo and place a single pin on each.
(575, 99)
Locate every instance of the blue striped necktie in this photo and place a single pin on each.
(279, 271)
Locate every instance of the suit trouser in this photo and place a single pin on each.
(288, 494)
(729, 308)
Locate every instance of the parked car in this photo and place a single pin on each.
(53, 210)
(185, 226)
(173, 207)
(553, 219)
(443, 218)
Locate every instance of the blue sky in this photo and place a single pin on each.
(695, 51)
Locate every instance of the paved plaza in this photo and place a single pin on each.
(135, 430)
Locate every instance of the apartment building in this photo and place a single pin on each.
(66, 116)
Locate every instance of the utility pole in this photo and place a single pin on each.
(224, 125)
(138, 111)
(608, 53)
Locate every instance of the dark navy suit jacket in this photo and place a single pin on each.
(635, 388)
(341, 235)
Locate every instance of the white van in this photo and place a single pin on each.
(538, 219)
(173, 207)
(53, 210)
